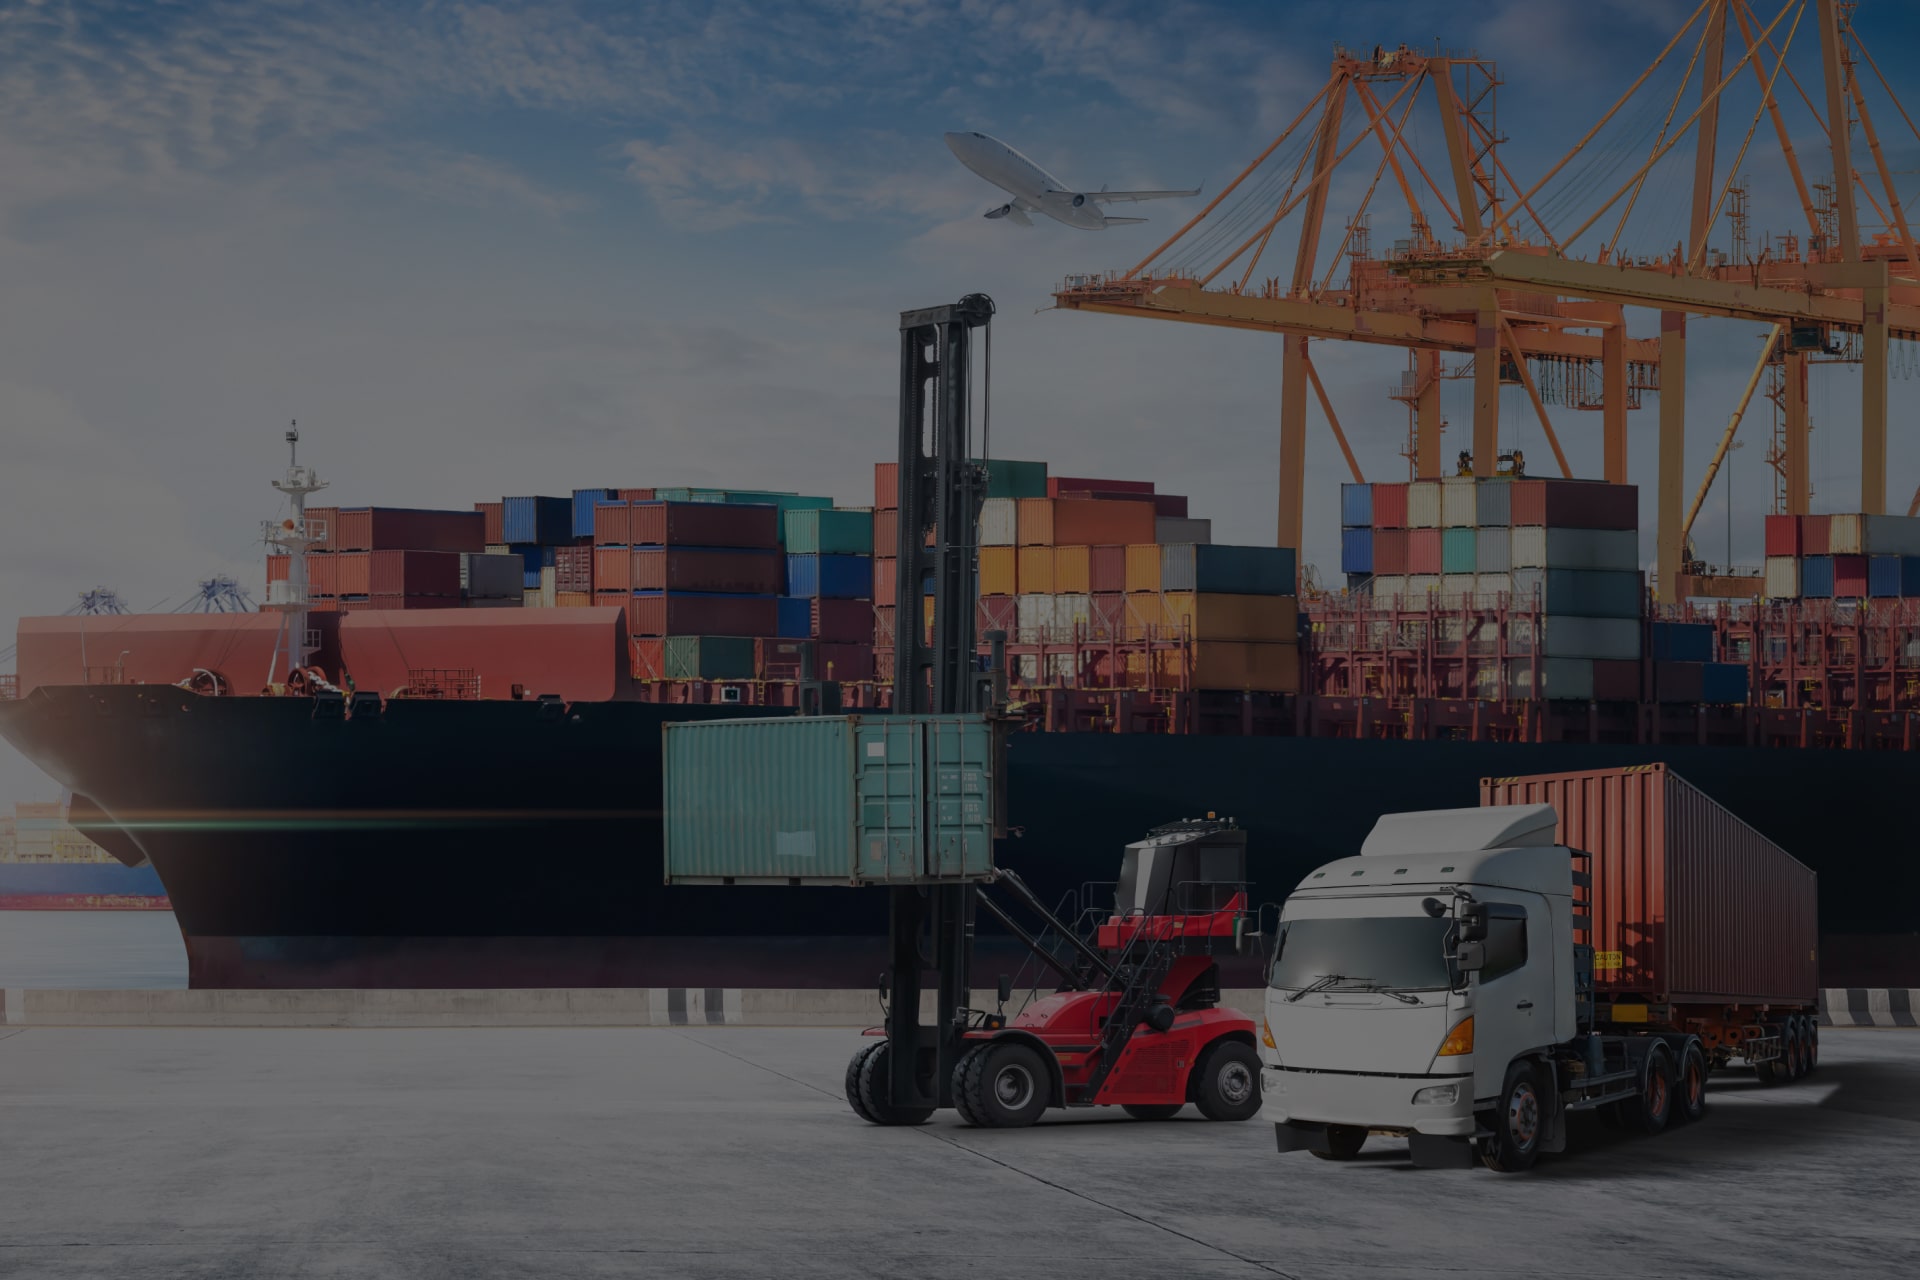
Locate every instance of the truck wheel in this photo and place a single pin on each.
(1227, 1081)
(1518, 1125)
(1155, 1111)
(873, 1092)
(1343, 1142)
(1796, 1058)
(855, 1065)
(1650, 1111)
(1810, 1041)
(1005, 1085)
(1690, 1085)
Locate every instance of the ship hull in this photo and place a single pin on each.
(486, 844)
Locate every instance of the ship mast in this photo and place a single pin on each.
(293, 535)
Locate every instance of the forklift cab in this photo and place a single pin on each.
(1196, 866)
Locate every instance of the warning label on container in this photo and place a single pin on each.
(1603, 960)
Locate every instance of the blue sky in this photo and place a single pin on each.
(483, 249)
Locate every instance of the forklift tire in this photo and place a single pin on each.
(1343, 1142)
(1226, 1082)
(873, 1069)
(1518, 1124)
(854, 1066)
(960, 1099)
(1153, 1111)
(1690, 1085)
(1653, 1108)
(1005, 1084)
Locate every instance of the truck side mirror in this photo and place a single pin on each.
(1473, 922)
(1470, 957)
(1006, 987)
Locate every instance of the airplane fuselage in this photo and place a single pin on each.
(1032, 187)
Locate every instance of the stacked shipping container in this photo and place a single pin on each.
(1842, 557)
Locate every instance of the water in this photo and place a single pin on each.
(101, 949)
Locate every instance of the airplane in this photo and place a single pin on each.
(1034, 190)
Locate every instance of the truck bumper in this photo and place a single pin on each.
(1368, 1102)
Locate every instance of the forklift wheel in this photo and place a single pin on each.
(873, 1090)
(1005, 1085)
(1155, 1111)
(1227, 1081)
(854, 1067)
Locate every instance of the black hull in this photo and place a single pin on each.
(483, 844)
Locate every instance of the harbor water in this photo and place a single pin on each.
(114, 950)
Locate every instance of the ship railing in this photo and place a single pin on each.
(443, 683)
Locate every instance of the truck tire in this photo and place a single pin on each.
(855, 1065)
(1226, 1083)
(1811, 1026)
(1650, 1112)
(1518, 1123)
(1154, 1111)
(1796, 1049)
(1343, 1142)
(1690, 1084)
(1005, 1084)
(873, 1096)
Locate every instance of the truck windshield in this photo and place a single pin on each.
(1394, 953)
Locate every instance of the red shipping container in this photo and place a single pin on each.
(1170, 504)
(611, 524)
(1575, 504)
(1059, 485)
(413, 573)
(320, 525)
(1423, 551)
(1089, 522)
(636, 495)
(1616, 680)
(1816, 535)
(1390, 549)
(883, 624)
(842, 621)
(1783, 535)
(1389, 508)
(279, 568)
(692, 614)
(492, 522)
(844, 662)
(613, 568)
(1690, 905)
(996, 613)
(1849, 577)
(1107, 569)
(1108, 616)
(321, 578)
(649, 658)
(775, 659)
(352, 573)
(886, 577)
(704, 524)
(409, 529)
(388, 601)
(746, 572)
(886, 486)
(886, 532)
(573, 568)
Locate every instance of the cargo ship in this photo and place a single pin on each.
(46, 865)
(457, 789)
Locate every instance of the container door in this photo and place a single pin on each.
(1513, 997)
(889, 798)
(958, 754)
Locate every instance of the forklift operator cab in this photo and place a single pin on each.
(1193, 867)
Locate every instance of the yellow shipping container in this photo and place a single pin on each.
(1232, 664)
(1143, 566)
(1073, 570)
(573, 599)
(1033, 521)
(1145, 611)
(1215, 616)
(1036, 571)
(999, 573)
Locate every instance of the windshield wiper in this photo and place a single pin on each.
(1401, 996)
(1321, 983)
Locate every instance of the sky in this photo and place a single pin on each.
(486, 249)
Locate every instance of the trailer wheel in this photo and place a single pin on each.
(855, 1065)
(1343, 1142)
(1797, 1030)
(1810, 1041)
(1227, 1081)
(1005, 1085)
(1154, 1111)
(1518, 1125)
(1650, 1111)
(873, 1072)
(1691, 1084)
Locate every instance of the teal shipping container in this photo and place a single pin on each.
(1007, 478)
(708, 657)
(829, 532)
(830, 800)
(1459, 551)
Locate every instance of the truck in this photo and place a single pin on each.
(1599, 941)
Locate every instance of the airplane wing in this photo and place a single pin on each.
(1130, 197)
(1115, 222)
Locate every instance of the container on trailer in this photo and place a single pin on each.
(1220, 616)
(999, 524)
(1459, 502)
(1843, 536)
(1390, 506)
(667, 613)
(1816, 577)
(545, 521)
(1576, 504)
(1890, 535)
(1690, 905)
(844, 800)
(1493, 549)
(745, 570)
(1883, 577)
(1459, 550)
(1143, 566)
(1782, 578)
(1534, 547)
(1073, 569)
(709, 657)
(1230, 569)
(794, 618)
(842, 577)
(1493, 503)
(1035, 567)
(703, 524)
(1059, 485)
(1356, 550)
(1849, 577)
(1424, 547)
(1356, 505)
(1182, 529)
(999, 571)
(1680, 641)
(830, 531)
(1816, 535)
(1783, 535)
(1723, 682)
(1423, 504)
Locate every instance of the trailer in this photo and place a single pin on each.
(1470, 979)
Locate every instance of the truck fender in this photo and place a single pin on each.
(1055, 1077)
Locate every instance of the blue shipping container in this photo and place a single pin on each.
(1910, 576)
(1356, 506)
(1356, 550)
(795, 619)
(1816, 578)
(836, 577)
(547, 521)
(1883, 576)
(1682, 642)
(584, 501)
(1243, 571)
(1723, 682)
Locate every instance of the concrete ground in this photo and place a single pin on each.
(728, 1151)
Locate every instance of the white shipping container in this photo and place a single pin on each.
(1032, 616)
(1070, 611)
(1488, 588)
(1559, 678)
(1388, 588)
(1493, 550)
(1420, 586)
(1459, 502)
(1843, 536)
(999, 525)
(1571, 637)
(1890, 535)
(1783, 578)
(1423, 504)
(1171, 530)
(1456, 589)
(1534, 547)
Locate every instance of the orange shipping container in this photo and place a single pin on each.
(886, 578)
(1143, 567)
(1072, 570)
(1216, 616)
(320, 527)
(613, 568)
(1083, 522)
(353, 574)
(278, 568)
(1234, 664)
(1036, 570)
(1146, 614)
(573, 599)
(999, 573)
(321, 578)
(886, 532)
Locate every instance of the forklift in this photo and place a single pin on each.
(1134, 1020)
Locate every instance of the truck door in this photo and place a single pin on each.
(1513, 996)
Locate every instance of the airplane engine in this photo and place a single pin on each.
(1001, 212)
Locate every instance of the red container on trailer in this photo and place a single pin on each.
(352, 573)
(1849, 577)
(746, 572)
(1060, 486)
(842, 621)
(690, 614)
(492, 523)
(1390, 550)
(1423, 551)
(611, 524)
(613, 568)
(413, 573)
(844, 661)
(1107, 569)
(1575, 504)
(1389, 509)
(1783, 535)
(1816, 535)
(703, 524)
(886, 486)
(1690, 905)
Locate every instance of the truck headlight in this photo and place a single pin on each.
(1437, 1095)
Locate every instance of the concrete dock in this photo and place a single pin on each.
(728, 1151)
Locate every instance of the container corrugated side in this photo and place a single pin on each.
(1182, 529)
(1534, 547)
(1844, 536)
(1459, 550)
(1782, 581)
(1493, 503)
(1493, 549)
(1073, 569)
(1217, 616)
(1816, 577)
(1459, 502)
(999, 571)
(823, 531)
(1035, 568)
(1423, 504)
(1783, 535)
(1356, 505)
(1568, 637)
(1586, 593)
(1890, 535)
(999, 524)
(1390, 506)
(1691, 905)
(1356, 550)
(1229, 569)
(1143, 566)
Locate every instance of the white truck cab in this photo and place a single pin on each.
(1426, 985)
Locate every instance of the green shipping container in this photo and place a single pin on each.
(708, 657)
(832, 533)
(1458, 550)
(830, 800)
(1009, 479)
